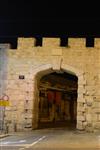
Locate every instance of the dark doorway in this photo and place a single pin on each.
(58, 100)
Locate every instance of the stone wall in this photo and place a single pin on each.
(30, 63)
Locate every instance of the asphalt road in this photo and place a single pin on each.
(51, 139)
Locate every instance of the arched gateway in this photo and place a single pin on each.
(30, 65)
(49, 114)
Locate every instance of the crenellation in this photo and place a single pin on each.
(26, 43)
(97, 43)
(51, 42)
(76, 42)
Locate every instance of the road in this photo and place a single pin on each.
(51, 139)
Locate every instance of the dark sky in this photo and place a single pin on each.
(39, 18)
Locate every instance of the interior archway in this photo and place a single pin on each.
(57, 105)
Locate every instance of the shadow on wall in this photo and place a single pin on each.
(3, 77)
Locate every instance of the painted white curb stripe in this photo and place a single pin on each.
(40, 139)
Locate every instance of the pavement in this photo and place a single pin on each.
(51, 139)
(3, 135)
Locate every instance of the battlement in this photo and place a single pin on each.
(55, 42)
(76, 42)
(97, 43)
(28, 43)
(51, 42)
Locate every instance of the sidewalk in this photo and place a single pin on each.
(2, 134)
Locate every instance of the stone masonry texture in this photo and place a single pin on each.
(31, 62)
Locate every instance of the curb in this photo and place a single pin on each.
(3, 135)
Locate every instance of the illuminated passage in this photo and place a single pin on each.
(57, 100)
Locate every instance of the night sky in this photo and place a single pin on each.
(43, 19)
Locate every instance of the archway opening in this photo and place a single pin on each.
(58, 100)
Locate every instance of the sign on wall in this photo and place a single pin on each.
(4, 100)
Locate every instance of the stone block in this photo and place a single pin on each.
(97, 125)
(80, 125)
(81, 118)
(94, 117)
(96, 98)
(84, 124)
(76, 42)
(89, 98)
(20, 127)
(89, 129)
(56, 63)
(89, 104)
(79, 113)
(28, 103)
(28, 116)
(97, 42)
(81, 99)
(96, 104)
(57, 52)
(98, 117)
(26, 43)
(88, 117)
(96, 110)
(51, 42)
(82, 109)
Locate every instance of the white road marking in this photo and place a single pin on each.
(40, 139)
(23, 145)
(4, 142)
(12, 144)
(21, 141)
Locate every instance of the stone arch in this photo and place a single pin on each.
(47, 69)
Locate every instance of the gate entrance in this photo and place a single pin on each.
(58, 100)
